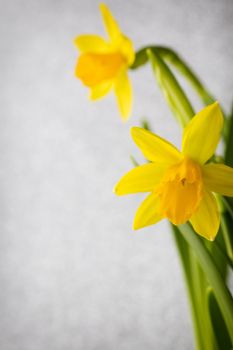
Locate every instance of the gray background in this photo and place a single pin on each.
(73, 274)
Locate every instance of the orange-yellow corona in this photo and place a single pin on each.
(181, 184)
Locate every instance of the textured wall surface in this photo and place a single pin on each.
(73, 274)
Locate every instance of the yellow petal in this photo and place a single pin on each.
(123, 92)
(100, 90)
(202, 134)
(119, 42)
(110, 23)
(91, 43)
(218, 178)
(206, 220)
(154, 147)
(144, 178)
(148, 212)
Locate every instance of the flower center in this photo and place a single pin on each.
(180, 191)
(93, 68)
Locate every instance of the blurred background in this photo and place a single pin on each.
(73, 274)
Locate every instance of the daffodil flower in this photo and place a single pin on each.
(181, 184)
(102, 65)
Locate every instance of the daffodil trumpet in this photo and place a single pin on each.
(182, 183)
(103, 64)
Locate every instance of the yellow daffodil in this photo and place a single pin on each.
(102, 65)
(181, 183)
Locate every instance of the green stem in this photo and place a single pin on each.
(225, 257)
(199, 291)
(226, 236)
(173, 58)
(174, 94)
(228, 207)
(186, 262)
(222, 293)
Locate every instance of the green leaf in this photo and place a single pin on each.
(219, 254)
(229, 140)
(229, 153)
(222, 293)
(227, 229)
(219, 327)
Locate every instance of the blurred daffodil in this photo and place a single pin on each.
(181, 183)
(102, 65)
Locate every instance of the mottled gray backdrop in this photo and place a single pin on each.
(73, 274)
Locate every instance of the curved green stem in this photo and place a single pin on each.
(170, 56)
(173, 93)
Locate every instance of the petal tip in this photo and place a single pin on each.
(136, 226)
(105, 11)
(124, 117)
(214, 105)
(209, 238)
(134, 130)
(118, 189)
(115, 189)
(102, 7)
